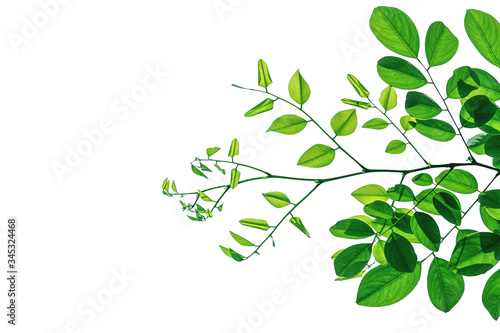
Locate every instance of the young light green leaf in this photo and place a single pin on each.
(232, 254)
(395, 147)
(421, 106)
(277, 199)
(344, 122)
(379, 209)
(445, 288)
(299, 89)
(263, 106)
(396, 31)
(457, 180)
(212, 151)
(400, 193)
(384, 286)
(358, 104)
(422, 179)
(317, 156)
(400, 253)
(491, 295)
(174, 187)
(197, 172)
(448, 207)
(483, 31)
(235, 178)
(204, 197)
(376, 124)
(476, 143)
(399, 73)
(370, 193)
(352, 229)
(234, 150)
(264, 77)
(435, 129)
(408, 122)
(288, 124)
(296, 221)
(426, 230)
(166, 185)
(360, 89)
(475, 254)
(352, 260)
(477, 111)
(242, 241)
(255, 223)
(388, 98)
(378, 253)
(440, 44)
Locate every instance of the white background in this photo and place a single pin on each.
(108, 214)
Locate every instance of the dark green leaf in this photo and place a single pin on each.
(317, 156)
(352, 229)
(462, 233)
(483, 31)
(288, 124)
(490, 199)
(440, 44)
(456, 180)
(445, 288)
(263, 106)
(448, 207)
(462, 83)
(491, 295)
(475, 254)
(388, 98)
(234, 150)
(235, 178)
(203, 167)
(299, 89)
(277, 199)
(358, 104)
(379, 209)
(401, 193)
(264, 77)
(395, 147)
(344, 122)
(384, 286)
(232, 254)
(477, 111)
(435, 129)
(421, 106)
(425, 200)
(298, 223)
(476, 143)
(426, 230)
(360, 89)
(396, 31)
(399, 73)
(422, 179)
(352, 260)
(241, 240)
(255, 223)
(376, 124)
(489, 221)
(370, 193)
(400, 253)
(489, 86)
(197, 172)
(492, 146)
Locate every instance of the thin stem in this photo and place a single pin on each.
(220, 198)
(235, 163)
(310, 119)
(448, 110)
(402, 133)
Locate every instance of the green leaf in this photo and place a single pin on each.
(396, 31)
(489, 221)
(203, 167)
(388, 98)
(235, 178)
(370, 193)
(456, 180)
(352, 229)
(358, 104)
(197, 172)
(425, 200)
(343, 278)
(448, 207)
(400, 254)
(462, 233)
(299, 89)
(408, 122)
(234, 150)
(488, 86)
(483, 31)
(378, 253)
(241, 240)
(384, 286)
(399, 73)
(352, 260)
(440, 44)
(204, 197)
(296, 221)
(166, 185)
(383, 227)
(435, 129)
(212, 151)
(445, 288)
(264, 77)
(477, 111)
(490, 199)
(475, 254)
(492, 126)
(401, 193)
(492, 146)
(426, 230)
(317, 156)
(395, 147)
(360, 89)
(379, 209)
(376, 124)
(232, 254)
(464, 81)
(174, 187)
(476, 143)
(491, 295)
(255, 223)
(336, 254)
(421, 106)
(263, 106)
(422, 179)
(277, 199)
(344, 122)
(288, 124)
